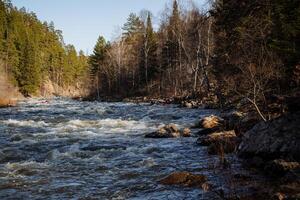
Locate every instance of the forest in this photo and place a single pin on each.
(230, 53)
(234, 51)
(32, 52)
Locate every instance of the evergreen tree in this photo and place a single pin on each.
(148, 65)
(97, 58)
(29, 77)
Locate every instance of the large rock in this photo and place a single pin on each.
(186, 179)
(168, 131)
(219, 143)
(279, 138)
(216, 137)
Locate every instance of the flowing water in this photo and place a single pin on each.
(65, 149)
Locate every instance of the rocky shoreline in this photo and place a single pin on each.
(272, 148)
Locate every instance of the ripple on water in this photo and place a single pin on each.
(64, 149)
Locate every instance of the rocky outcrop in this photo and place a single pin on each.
(9, 94)
(169, 131)
(185, 179)
(279, 138)
(50, 89)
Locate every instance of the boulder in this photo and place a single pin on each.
(168, 131)
(219, 143)
(216, 137)
(279, 138)
(209, 122)
(222, 147)
(186, 179)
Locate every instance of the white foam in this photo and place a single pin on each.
(104, 125)
(31, 123)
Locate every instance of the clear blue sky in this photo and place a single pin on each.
(82, 21)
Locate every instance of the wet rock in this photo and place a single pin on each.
(280, 167)
(219, 143)
(186, 179)
(216, 137)
(279, 138)
(186, 132)
(16, 138)
(25, 172)
(168, 131)
(188, 105)
(221, 147)
(12, 155)
(209, 131)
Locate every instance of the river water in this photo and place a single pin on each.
(65, 149)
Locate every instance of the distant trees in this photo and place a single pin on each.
(174, 60)
(33, 52)
(237, 50)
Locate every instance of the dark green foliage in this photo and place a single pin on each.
(98, 56)
(34, 51)
(286, 31)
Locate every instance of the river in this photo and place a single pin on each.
(66, 149)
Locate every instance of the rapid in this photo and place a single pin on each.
(66, 149)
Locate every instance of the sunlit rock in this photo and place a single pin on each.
(186, 179)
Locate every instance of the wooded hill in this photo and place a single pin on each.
(34, 52)
(236, 51)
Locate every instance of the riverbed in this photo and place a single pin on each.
(66, 149)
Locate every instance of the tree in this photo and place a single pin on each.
(148, 65)
(97, 58)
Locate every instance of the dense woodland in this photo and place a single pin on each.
(33, 52)
(235, 51)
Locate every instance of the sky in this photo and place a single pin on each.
(83, 21)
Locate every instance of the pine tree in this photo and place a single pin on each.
(29, 77)
(98, 56)
(148, 65)
(133, 26)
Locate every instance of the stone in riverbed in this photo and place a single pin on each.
(209, 122)
(186, 179)
(219, 143)
(168, 131)
(215, 137)
(186, 132)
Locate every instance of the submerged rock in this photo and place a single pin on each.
(186, 179)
